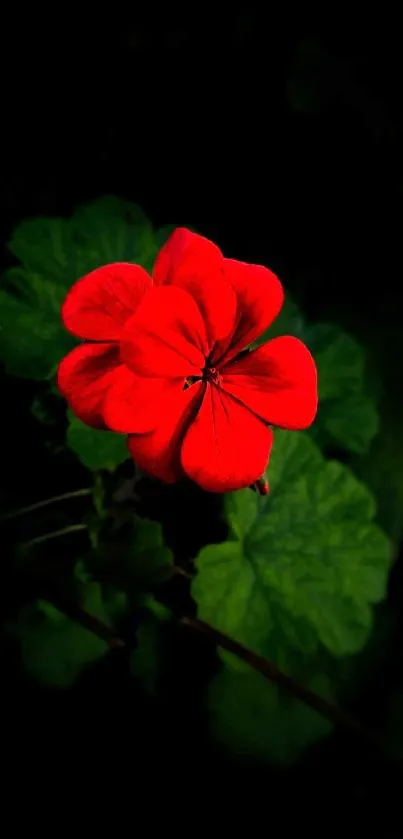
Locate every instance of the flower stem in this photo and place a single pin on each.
(72, 528)
(76, 613)
(323, 706)
(39, 504)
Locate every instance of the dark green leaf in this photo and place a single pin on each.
(347, 413)
(254, 718)
(340, 360)
(113, 230)
(54, 649)
(96, 449)
(163, 234)
(54, 253)
(352, 422)
(305, 569)
(32, 341)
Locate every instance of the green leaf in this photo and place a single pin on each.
(54, 253)
(347, 413)
(31, 340)
(255, 719)
(54, 649)
(96, 449)
(308, 566)
(352, 422)
(163, 234)
(113, 230)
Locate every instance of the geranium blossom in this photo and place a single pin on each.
(165, 364)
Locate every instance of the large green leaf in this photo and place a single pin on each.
(54, 253)
(54, 649)
(254, 718)
(303, 566)
(96, 449)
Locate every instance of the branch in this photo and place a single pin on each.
(313, 700)
(76, 613)
(327, 709)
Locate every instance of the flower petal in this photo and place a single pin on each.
(194, 263)
(278, 381)
(260, 297)
(166, 336)
(158, 452)
(97, 305)
(133, 404)
(226, 447)
(84, 376)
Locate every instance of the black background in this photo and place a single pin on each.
(195, 116)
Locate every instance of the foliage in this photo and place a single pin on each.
(54, 648)
(294, 582)
(300, 571)
(303, 564)
(96, 450)
(53, 254)
(252, 717)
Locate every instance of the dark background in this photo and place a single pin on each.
(281, 141)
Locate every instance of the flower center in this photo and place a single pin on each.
(209, 374)
(212, 375)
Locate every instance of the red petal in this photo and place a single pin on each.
(226, 447)
(84, 376)
(260, 297)
(158, 453)
(278, 381)
(97, 306)
(166, 336)
(197, 265)
(133, 404)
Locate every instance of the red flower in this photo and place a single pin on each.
(166, 367)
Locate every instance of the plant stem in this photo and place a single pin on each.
(323, 706)
(72, 528)
(313, 700)
(76, 613)
(39, 504)
(177, 569)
